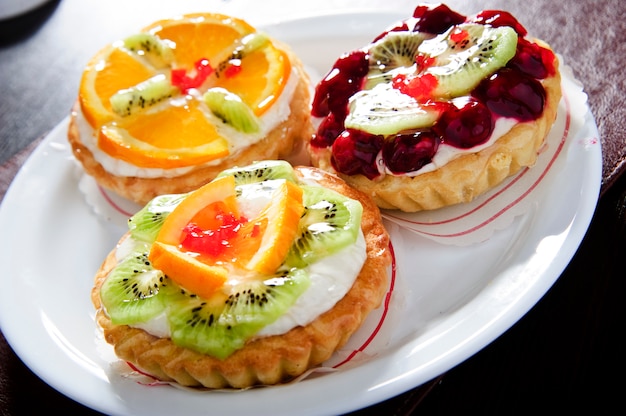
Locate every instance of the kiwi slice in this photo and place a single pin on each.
(466, 54)
(393, 54)
(384, 110)
(249, 44)
(157, 51)
(261, 171)
(331, 221)
(132, 291)
(229, 108)
(145, 94)
(145, 224)
(221, 325)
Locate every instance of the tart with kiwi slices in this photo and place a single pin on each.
(437, 109)
(166, 109)
(253, 279)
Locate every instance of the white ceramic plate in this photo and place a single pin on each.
(448, 303)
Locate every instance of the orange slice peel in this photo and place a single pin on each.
(282, 216)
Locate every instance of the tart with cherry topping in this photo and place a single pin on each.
(438, 109)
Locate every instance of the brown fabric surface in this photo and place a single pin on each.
(595, 50)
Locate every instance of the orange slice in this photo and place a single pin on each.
(190, 273)
(162, 144)
(280, 219)
(185, 268)
(111, 70)
(177, 131)
(220, 190)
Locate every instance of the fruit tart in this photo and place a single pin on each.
(166, 109)
(253, 279)
(436, 110)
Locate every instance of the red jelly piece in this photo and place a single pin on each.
(213, 242)
(420, 87)
(184, 82)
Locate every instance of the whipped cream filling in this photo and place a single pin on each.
(237, 140)
(331, 278)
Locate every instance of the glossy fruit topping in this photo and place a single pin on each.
(206, 234)
(511, 93)
(408, 152)
(465, 72)
(136, 93)
(465, 124)
(200, 209)
(498, 18)
(532, 59)
(435, 18)
(341, 82)
(354, 152)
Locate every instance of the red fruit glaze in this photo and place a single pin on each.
(354, 152)
(435, 18)
(328, 130)
(409, 152)
(465, 124)
(511, 93)
(343, 80)
(404, 26)
(497, 18)
(514, 91)
(533, 59)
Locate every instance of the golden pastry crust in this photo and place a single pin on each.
(272, 359)
(467, 176)
(283, 141)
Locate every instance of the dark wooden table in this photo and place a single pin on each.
(565, 355)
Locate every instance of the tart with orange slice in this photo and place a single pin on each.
(166, 109)
(252, 279)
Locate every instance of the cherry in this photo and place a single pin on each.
(497, 18)
(409, 152)
(435, 18)
(354, 152)
(511, 93)
(465, 124)
(533, 59)
(341, 82)
(328, 130)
